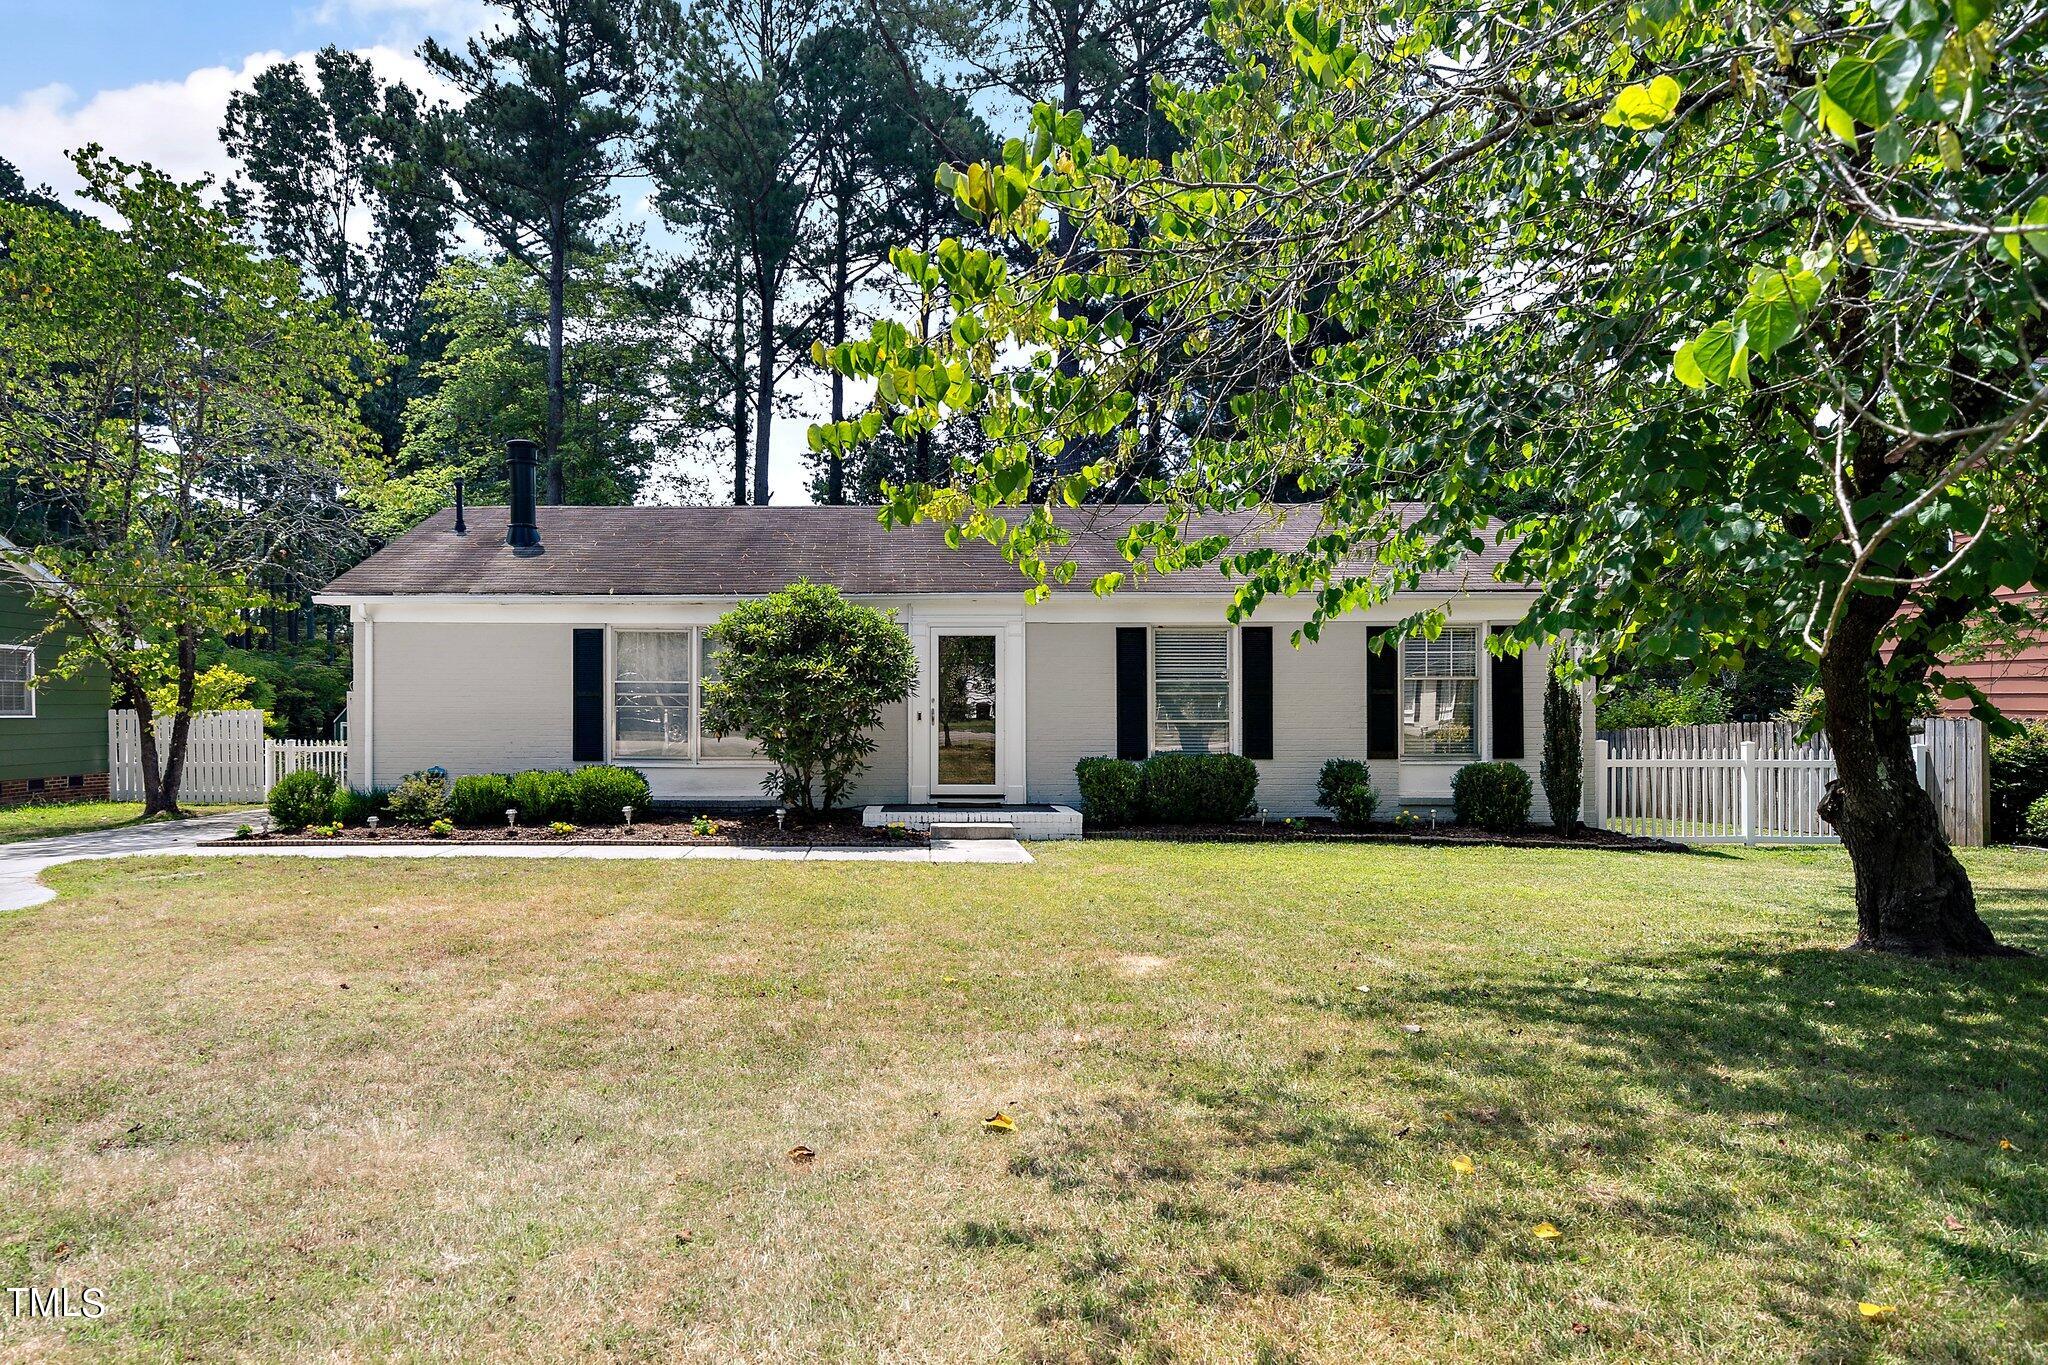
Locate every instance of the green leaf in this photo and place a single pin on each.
(1645, 105)
(2035, 217)
(1836, 119)
(1970, 13)
(1854, 85)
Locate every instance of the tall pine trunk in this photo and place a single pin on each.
(1912, 895)
(764, 386)
(842, 247)
(739, 379)
(558, 281)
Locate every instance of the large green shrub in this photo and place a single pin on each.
(1492, 796)
(302, 798)
(806, 674)
(602, 793)
(1110, 791)
(2037, 820)
(480, 799)
(1344, 788)
(1564, 752)
(1663, 706)
(1197, 789)
(2019, 777)
(420, 798)
(543, 796)
(354, 807)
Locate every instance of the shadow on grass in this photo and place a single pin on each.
(1770, 1109)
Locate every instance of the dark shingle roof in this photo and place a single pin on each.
(745, 551)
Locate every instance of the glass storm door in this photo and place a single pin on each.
(964, 745)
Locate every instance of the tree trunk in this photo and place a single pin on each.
(1912, 895)
(181, 726)
(764, 387)
(558, 279)
(145, 734)
(842, 247)
(739, 380)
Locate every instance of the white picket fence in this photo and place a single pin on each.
(228, 759)
(1759, 783)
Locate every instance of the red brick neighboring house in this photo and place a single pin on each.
(2016, 680)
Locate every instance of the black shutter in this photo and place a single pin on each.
(587, 687)
(1132, 691)
(1255, 645)
(1382, 695)
(1507, 704)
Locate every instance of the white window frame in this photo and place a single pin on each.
(29, 684)
(696, 758)
(1231, 702)
(1481, 739)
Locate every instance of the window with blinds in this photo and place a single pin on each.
(710, 745)
(1191, 691)
(17, 681)
(1439, 694)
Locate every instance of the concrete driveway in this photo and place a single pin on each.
(22, 863)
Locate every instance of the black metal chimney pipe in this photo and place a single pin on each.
(522, 459)
(461, 524)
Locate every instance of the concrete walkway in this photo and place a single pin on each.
(22, 863)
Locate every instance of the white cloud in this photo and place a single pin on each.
(172, 125)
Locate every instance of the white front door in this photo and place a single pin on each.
(966, 713)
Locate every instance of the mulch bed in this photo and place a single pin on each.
(1324, 831)
(747, 829)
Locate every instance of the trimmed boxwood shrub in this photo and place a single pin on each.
(480, 799)
(302, 798)
(1492, 796)
(1110, 791)
(1197, 789)
(602, 793)
(1344, 788)
(543, 796)
(354, 807)
(420, 798)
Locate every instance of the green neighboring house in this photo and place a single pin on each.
(53, 731)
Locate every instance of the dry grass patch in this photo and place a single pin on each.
(463, 1110)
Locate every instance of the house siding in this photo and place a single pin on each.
(1069, 706)
(469, 698)
(1318, 715)
(67, 736)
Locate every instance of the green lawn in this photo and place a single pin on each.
(40, 820)
(463, 1110)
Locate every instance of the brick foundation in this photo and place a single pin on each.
(16, 791)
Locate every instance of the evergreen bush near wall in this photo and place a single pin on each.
(603, 792)
(354, 807)
(1492, 796)
(1563, 753)
(1198, 789)
(1344, 788)
(1110, 791)
(543, 796)
(302, 798)
(480, 799)
(420, 798)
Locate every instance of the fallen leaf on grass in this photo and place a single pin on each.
(1951, 1222)
(999, 1122)
(1547, 1232)
(2005, 1145)
(802, 1155)
(1462, 1165)
(1877, 1312)
(1411, 1028)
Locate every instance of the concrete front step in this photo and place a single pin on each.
(1027, 821)
(979, 829)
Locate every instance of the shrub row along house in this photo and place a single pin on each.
(556, 636)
